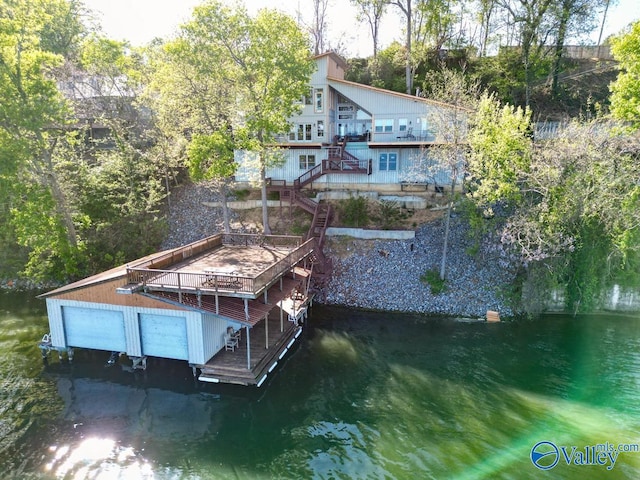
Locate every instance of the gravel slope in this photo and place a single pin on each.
(379, 275)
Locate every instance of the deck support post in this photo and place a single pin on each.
(266, 297)
(246, 310)
(217, 304)
(281, 318)
(248, 350)
(266, 331)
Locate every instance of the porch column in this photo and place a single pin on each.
(281, 318)
(266, 331)
(248, 349)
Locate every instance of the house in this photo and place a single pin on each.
(231, 305)
(350, 136)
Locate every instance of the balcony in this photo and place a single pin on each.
(232, 265)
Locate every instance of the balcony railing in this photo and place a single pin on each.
(155, 274)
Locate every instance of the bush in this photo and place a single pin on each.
(241, 194)
(432, 278)
(390, 215)
(354, 212)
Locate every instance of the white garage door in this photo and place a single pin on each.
(164, 336)
(93, 328)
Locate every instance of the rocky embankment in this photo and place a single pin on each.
(375, 274)
(385, 275)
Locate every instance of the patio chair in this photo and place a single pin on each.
(409, 135)
(230, 340)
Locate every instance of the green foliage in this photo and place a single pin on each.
(38, 228)
(300, 227)
(241, 194)
(386, 71)
(120, 197)
(501, 151)
(625, 91)
(389, 215)
(211, 156)
(436, 284)
(354, 211)
(573, 208)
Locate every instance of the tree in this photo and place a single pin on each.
(265, 65)
(625, 91)
(447, 157)
(501, 150)
(406, 9)
(567, 207)
(211, 157)
(572, 18)
(371, 12)
(34, 116)
(318, 28)
(531, 19)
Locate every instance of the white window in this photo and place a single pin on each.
(383, 125)
(388, 162)
(319, 102)
(402, 124)
(307, 161)
(308, 98)
(320, 131)
(300, 132)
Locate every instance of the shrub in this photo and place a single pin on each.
(354, 212)
(390, 215)
(432, 278)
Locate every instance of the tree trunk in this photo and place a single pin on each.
(62, 206)
(447, 222)
(409, 78)
(557, 57)
(225, 209)
(266, 229)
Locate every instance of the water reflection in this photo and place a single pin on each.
(364, 396)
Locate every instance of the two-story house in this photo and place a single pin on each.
(374, 136)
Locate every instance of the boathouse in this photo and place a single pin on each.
(231, 305)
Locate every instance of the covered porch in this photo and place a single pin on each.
(258, 352)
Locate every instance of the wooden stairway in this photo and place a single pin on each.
(338, 161)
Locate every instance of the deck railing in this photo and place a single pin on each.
(154, 274)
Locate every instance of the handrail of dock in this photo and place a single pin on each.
(154, 274)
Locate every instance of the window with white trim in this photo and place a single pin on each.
(319, 102)
(320, 131)
(402, 124)
(300, 132)
(388, 162)
(383, 125)
(307, 161)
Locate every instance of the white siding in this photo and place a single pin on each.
(213, 329)
(193, 320)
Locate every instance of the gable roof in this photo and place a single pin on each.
(334, 56)
(356, 91)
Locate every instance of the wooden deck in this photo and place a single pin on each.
(234, 265)
(265, 351)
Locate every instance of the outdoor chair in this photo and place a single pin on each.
(230, 340)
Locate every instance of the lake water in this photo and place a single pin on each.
(364, 395)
